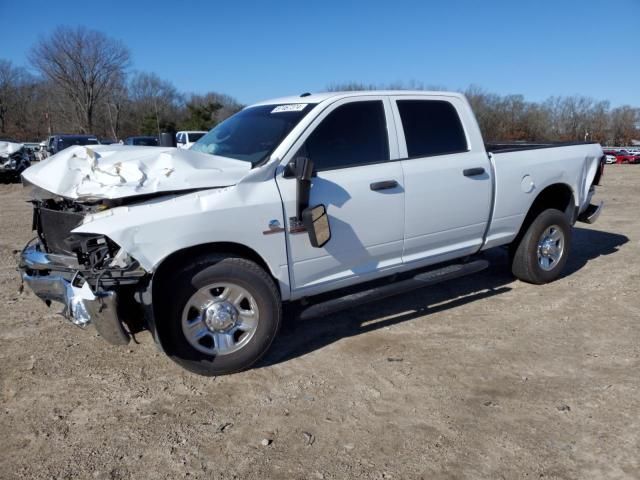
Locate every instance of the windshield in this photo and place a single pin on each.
(252, 134)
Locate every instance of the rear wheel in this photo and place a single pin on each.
(542, 252)
(223, 315)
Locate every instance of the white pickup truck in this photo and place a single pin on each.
(288, 199)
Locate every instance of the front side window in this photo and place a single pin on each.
(431, 127)
(253, 133)
(353, 134)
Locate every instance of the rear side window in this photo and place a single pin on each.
(353, 134)
(431, 127)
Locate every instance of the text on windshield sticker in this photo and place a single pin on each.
(292, 107)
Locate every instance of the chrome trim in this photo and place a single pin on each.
(33, 258)
(220, 318)
(591, 213)
(550, 248)
(52, 278)
(274, 230)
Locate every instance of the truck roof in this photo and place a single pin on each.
(321, 97)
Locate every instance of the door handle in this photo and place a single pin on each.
(385, 185)
(472, 172)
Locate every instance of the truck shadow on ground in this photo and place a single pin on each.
(298, 337)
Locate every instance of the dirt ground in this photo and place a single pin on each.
(483, 377)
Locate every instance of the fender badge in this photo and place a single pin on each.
(274, 227)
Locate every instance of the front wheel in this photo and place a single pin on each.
(223, 315)
(542, 252)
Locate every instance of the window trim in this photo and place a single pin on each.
(323, 112)
(386, 130)
(391, 129)
(402, 141)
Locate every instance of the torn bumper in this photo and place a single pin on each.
(55, 278)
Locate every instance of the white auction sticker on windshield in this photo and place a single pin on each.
(292, 107)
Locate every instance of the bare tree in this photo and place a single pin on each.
(15, 88)
(623, 125)
(85, 64)
(155, 102)
(114, 104)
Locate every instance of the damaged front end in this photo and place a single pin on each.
(93, 278)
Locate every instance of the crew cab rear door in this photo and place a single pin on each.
(448, 182)
(351, 146)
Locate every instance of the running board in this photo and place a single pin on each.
(421, 280)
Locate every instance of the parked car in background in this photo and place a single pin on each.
(624, 156)
(289, 199)
(609, 159)
(14, 159)
(142, 141)
(33, 148)
(187, 138)
(57, 143)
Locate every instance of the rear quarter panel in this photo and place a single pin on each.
(520, 176)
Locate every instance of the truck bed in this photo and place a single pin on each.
(522, 172)
(503, 147)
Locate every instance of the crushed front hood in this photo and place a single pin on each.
(114, 171)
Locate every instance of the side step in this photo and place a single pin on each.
(421, 280)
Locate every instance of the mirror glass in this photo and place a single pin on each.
(316, 221)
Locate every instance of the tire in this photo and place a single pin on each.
(532, 259)
(210, 340)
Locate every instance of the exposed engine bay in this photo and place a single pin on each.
(54, 220)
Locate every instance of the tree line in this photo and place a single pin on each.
(82, 83)
(557, 119)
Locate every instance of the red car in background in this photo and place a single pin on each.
(623, 156)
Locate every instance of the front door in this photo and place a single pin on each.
(363, 192)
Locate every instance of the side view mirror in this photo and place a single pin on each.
(314, 219)
(316, 222)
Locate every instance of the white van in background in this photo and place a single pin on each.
(186, 139)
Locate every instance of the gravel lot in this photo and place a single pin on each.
(483, 377)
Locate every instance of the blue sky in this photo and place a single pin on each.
(257, 50)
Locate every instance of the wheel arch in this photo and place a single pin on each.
(557, 195)
(169, 263)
